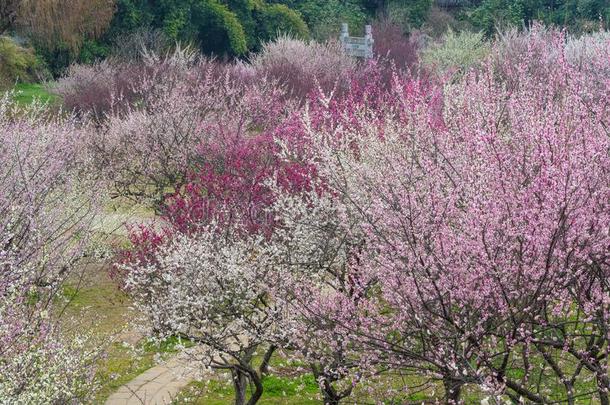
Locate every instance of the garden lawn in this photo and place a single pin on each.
(291, 384)
(26, 93)
(301, 390)
(97, 306)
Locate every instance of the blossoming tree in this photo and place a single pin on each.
(41, 213)
(484, 232)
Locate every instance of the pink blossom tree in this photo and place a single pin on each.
(455, 231)
(483, 232)
(235, 183)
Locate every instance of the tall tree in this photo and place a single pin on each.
(63, 23)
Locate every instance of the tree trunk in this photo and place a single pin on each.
(240, 382)
(330, 397)
(603, 384)
(258, 389)
(603, 398)
(453, 390)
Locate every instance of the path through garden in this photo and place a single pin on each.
(158, 385)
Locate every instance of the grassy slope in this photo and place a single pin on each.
(26, 93)
(97, 305)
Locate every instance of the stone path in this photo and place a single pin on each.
(158, 385)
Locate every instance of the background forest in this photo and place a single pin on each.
(42, 38)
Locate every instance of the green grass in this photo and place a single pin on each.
(120, 366)
(123, 364)
(169, 345)
(290, 384)
(26, 93)
(95, 304)
(301, 390)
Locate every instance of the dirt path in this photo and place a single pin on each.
(158, 385)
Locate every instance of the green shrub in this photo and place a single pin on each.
(457, 52)
(324, 17)
(93, 50)
(411, 14)
(56, 59)
(577, 15)
(207, 22)
(263, 22)
(274, 19)
(218, 29)
(17, 63)
(244, 10)
(493, 13)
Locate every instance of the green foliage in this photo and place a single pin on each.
(458, 51)
(16, 63)
(492, 13)
(56, 59)
(217, 29)
(130, 16)
(221, 27)
(324, 17)
(209, 23)
(92, 51)
(274, 19)
(244, 10)
(577, 15)
(410, 14)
